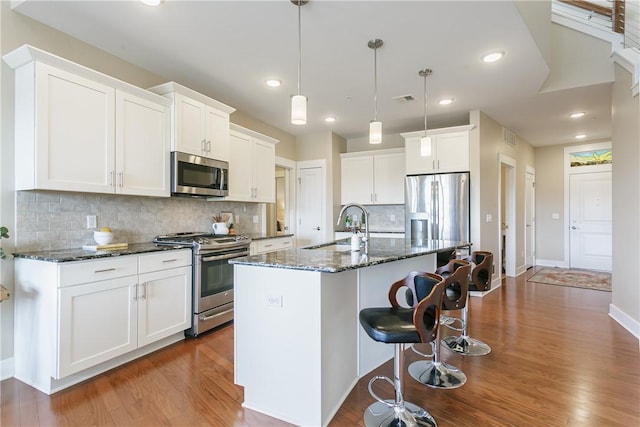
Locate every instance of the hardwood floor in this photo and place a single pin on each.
(557, 360)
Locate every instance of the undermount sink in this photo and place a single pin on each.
(333, 247)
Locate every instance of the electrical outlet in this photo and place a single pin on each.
(274, 300)
(92, 221)
(392, 218)
(255, 219)
(237, 220)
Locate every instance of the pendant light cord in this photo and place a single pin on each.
(375, 84)
(299, 45)
(425, 73)
(425, 105)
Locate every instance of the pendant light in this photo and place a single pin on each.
(299, 101)
(375, 126)
(425, 141)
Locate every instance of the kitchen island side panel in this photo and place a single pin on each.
(280, 348)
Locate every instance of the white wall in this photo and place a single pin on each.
(625, 301)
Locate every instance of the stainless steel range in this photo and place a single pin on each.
(212, 275)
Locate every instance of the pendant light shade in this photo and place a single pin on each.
(375, 132)
(425, 141)
(299, 102)
(299, 109)
(375, 126)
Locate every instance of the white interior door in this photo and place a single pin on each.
(310, 207)
(590, 220)
(529, 219)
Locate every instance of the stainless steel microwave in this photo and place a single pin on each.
(198, 176)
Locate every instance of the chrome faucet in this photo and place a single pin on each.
(365, 239)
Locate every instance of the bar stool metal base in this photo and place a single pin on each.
(437, 374)
(381, 415)
(466, 346)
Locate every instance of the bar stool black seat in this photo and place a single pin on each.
(399, 325)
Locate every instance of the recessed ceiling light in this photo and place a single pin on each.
(577, 114)
(493, 56)
(273, 82)
(445, 101)
(151, 2)
(330, 119)
(581, 136)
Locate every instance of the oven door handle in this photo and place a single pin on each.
(225, 256)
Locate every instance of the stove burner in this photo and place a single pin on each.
(203, 241)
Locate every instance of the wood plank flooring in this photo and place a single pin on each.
(557, 360)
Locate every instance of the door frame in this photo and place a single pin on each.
(567, 172)
(290, 174)
(532, 203)
(510, 214)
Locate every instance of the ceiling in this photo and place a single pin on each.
(226, 50)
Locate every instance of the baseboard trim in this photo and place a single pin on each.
(551, 263)
(495, 284)
(6, 368)
(626, 321)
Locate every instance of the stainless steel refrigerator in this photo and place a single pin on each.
(437, 207)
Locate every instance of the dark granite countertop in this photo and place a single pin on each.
(263, 236)
(322, 258)
(79, 254)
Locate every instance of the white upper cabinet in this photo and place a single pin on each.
(449, 151)
(373, 177)
(142, 146)
(200, 125)
(80, 130)
(252, 165)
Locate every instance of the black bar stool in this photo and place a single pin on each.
(436, 373)
(399, 325)
(480, 281)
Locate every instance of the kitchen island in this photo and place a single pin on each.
(299, 348)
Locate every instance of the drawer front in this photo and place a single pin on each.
(164, 260)
(270, 245)
(74, 273)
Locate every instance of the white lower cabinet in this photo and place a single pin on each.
(74, 320)
(164, 304)
(264, 246)
(97, 323)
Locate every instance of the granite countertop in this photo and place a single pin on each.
(263, 236)
(317, 258)
(79, 254)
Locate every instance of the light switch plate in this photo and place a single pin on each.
(489, 217)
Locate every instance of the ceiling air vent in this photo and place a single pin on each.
(404, 98)
(508, 137)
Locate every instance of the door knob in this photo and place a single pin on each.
(573, 227)
(318, 228)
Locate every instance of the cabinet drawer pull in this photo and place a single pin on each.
(267, 246)
(103, 271)
(170, 260)
(144, 291)
(135, 292)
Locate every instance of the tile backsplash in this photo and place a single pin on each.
(58, 220)
(381, 217)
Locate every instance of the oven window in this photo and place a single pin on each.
(216, 276)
